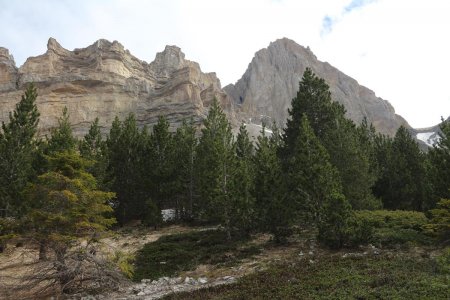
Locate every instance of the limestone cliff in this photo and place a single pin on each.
(272, 80)
(105, 80)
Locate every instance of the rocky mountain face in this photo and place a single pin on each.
(105, 80)
(272, 80)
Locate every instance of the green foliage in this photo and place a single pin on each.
(242, 196)
(214, 168)
(125, 263)
(337, 134)
(127, 169)
(378, 277)
(17, 150)
(152, 214)
(403, 182)
(310, 177)
(443, 261)
(271, 204)
(334, 227)
(62, 138)
(182, 252)
(184, 176)
(93, 147)
(65, 203)
(161, 162)
(394, 227)
(439, 224)
(439, 168)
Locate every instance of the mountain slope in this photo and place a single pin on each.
(272, 79)
(105, 80)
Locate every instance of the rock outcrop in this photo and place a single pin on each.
(272, 80)
(105, 80)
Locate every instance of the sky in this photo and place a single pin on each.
(398, 48)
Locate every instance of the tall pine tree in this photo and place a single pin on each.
(272, 210)
(336, 133)
(214, 168)
(184, 158)
(311, 178)
(242, 183)
(17, 147)
(61, 138)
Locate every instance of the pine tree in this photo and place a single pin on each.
(62, 138)
(65, 206)
(311, 179)
(184, 158)
(162, 147)
(214, 168)
(126, 163)
(336, 133)
(403, 183)
(93, 147)
(439, 157)
(242, 183)
(272, 211)
(335, 227)
(17, 148)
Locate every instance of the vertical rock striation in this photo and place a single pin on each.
(105, 80)
(272, 80)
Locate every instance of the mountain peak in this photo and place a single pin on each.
(272, 80)
(169, 60)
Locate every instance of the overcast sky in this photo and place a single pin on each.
(398, 48)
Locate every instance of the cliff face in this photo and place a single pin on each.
(105, 80)
(272, 80)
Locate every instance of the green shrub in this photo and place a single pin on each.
(394, 227)
(334, 228)
(124, 262)
(182, 252)
(439, 225)
(443, 262)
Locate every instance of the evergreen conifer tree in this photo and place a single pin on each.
(62, 138)
(272, 210)
(336, 133)
(126, 162)
(214, 169)
(311, 179)
(439, 157)
(93, 147)
(161, 148)
(242, 183)
(184, 157)
(17, 148)
(65, 205)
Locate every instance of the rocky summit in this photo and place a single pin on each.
(105, 80)
(272, 80)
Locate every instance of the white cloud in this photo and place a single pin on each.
(397, 48)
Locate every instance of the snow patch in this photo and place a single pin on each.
(429, 138)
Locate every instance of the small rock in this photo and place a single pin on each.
(202, 280)
(146, 281)
(311, 253)
(311, 261)
(141, 293)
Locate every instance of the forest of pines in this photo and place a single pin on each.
(314, 173)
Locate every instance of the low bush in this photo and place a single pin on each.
(393, 227)
(333, 277)
(182, 252)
